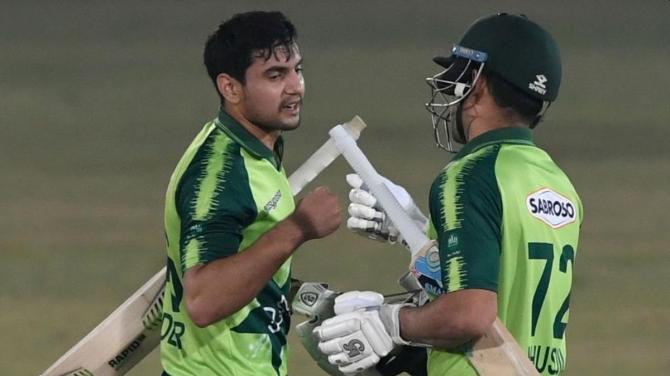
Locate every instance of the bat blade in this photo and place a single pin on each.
(498, 353)
(120, 341)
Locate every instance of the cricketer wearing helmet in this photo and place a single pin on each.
(230, 219)
(506, 218)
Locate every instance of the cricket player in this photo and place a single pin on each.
(506, 218)
(230, 218)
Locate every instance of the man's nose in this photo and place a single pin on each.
(295, 84)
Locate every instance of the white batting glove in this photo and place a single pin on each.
(357, 301)
(367, 218)
(364, 331)
(372, 301)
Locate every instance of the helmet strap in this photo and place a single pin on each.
(459, 136)
(540, 116)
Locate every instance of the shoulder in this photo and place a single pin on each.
(215, 178)
(217, 157)
(468, 171)
(521, 164)
(466, 189)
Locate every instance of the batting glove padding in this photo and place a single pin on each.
(367, 301)
(364, 331)
(357, 301)
(367, 218)
(354, 341)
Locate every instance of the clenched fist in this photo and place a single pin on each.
(318, 214)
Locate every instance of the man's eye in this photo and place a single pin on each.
(299, 69)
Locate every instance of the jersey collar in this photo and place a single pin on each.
(511, 135)
(248, 141)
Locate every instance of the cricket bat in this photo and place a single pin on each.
(133, 330)
(496, 353)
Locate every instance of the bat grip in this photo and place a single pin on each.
(322, 158)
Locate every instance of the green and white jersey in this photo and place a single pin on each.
(507, 219)
(227, 190)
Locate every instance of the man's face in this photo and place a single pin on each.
(274, 88)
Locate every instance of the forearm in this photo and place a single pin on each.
(451, 320)
(220, 288)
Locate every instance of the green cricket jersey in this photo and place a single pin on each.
(227, 190)
(507, 219)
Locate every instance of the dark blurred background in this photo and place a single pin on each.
(99, 99)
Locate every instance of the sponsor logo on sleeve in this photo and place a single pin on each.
(551, 208)
(273, 202)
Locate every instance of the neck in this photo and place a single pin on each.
(479, 130)
(492, 120)
(266, 137)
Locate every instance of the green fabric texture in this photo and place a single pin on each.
(468, 229)
(238, 133)
(507, 219)
(227, 190)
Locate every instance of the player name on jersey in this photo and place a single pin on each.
(547, 359)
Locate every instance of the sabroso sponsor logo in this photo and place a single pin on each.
(552, 208)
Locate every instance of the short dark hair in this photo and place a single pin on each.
(509, 96)
(232, 47)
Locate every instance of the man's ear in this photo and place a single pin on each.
(481, 87)
(229, 87)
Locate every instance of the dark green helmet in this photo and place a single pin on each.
(518, 50)
(512, 48)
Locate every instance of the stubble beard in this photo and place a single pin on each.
(277, 123)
